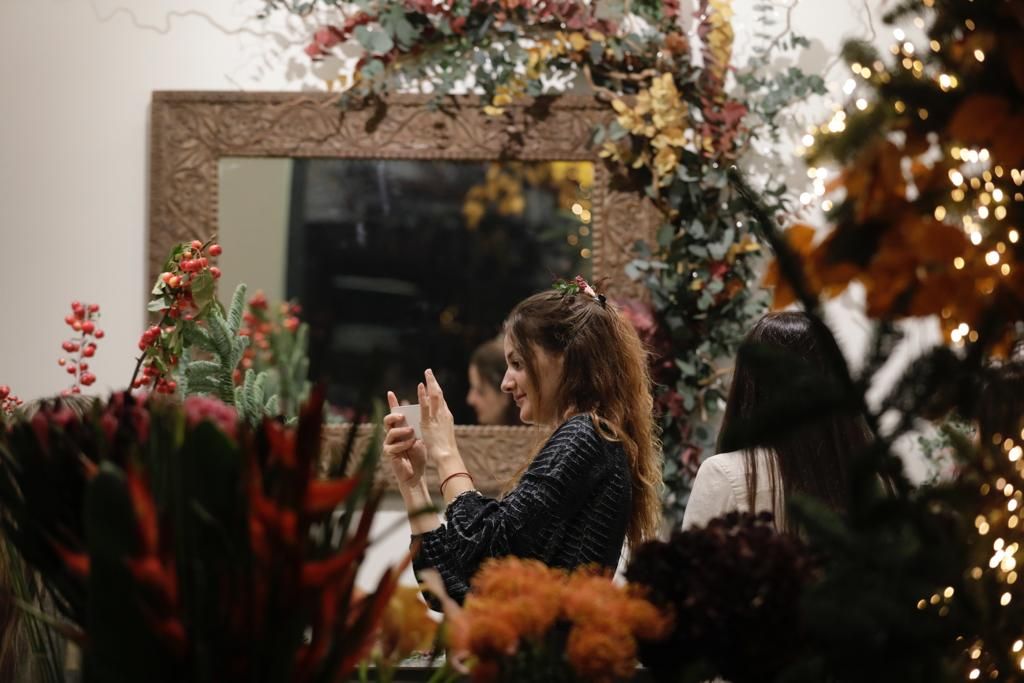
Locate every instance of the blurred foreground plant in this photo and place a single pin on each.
(179, 543)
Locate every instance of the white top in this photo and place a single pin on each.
(721, 487)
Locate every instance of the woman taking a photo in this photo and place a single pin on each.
(576, 366)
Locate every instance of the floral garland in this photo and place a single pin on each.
(679, 125)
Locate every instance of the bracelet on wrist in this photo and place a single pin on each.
(452, 476)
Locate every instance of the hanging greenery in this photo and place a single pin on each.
(683, 113)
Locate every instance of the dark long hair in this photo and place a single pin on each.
(604, 374)
(787, 397)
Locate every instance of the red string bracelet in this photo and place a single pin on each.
(452, 476)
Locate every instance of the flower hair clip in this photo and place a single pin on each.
(578, 286)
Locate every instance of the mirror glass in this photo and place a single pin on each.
(400, 265)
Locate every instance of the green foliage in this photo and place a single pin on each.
(702, 272)
(220, 339)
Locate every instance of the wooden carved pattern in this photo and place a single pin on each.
(191, 131)
(494, 455)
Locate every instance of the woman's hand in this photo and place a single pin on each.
(408, 455)
(436, 422)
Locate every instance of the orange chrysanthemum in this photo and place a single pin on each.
(517, 603)
(602, 652)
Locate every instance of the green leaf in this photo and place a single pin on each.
(666, 233)
(237, 308)
(220, 335)
(372, 70)
(199, 371)
(195, 334)
(616, 131)
(157, 305)
(376, 41)
(172, 259)
(394, 21)
(203, 287)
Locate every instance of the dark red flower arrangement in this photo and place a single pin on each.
(182, 544)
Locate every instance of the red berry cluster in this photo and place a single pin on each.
(159, 343)
(261, 327)
(82, 320)
(8, 401)
(178, 281)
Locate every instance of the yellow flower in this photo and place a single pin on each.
(493, 111)
(511, 205)
(610, 150)
(665, 161)
(473, 211)
(668, 109)
(744, 247)
(674, 137)
(533, 63)
(578, 41)
(630, 119)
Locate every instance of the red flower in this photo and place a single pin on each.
(202, 408)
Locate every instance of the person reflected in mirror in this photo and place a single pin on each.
(576, 367)
(486, 372)
(787, 369)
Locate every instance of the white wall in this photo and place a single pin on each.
(77, 77)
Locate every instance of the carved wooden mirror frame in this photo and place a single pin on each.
(191, 131)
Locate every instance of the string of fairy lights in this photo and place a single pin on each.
(982, 199)
(981, 194)
(581, 209)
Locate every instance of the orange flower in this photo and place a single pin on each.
(490, 635)
(874, 181)
(602, 652)
(512, 576)
(517, 602)
(406, 625)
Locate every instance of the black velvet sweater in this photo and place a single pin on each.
(570, 508)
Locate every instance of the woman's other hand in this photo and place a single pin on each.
(436, 422)
(407, 454)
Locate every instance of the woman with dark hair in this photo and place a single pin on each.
(486, 372)
(577, 367)
(788, 427)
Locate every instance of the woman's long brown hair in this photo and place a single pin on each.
(786, 365)
(604, 374)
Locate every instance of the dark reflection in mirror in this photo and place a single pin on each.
(403, 265)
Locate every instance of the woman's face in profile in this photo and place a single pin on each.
(530, 397)
(490, 404)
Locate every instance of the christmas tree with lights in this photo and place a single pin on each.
(927, 211)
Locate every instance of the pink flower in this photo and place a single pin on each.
(203, 408)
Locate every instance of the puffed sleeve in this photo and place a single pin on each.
(712, 495)
(556, 484)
